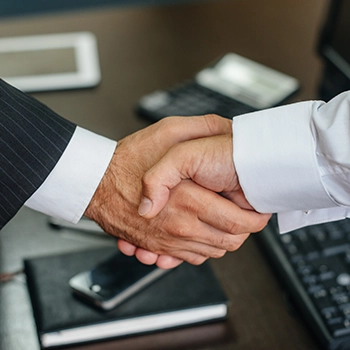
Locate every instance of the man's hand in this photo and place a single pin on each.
(209, 163)
(196, 223)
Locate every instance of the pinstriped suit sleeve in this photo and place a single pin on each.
(32, 140)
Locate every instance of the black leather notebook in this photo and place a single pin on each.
(187, 295)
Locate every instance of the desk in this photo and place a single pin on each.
(142, 49)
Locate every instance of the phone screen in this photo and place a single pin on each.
(117, 274)
(113, 281)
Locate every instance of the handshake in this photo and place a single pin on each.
(171, 193)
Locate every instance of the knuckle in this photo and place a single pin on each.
(150, 180)
(212, 121)
(235, 246)
(215, 122)
(233, 227)
(236, 227)
(219, 253)
(164, 122)
(163, 127)
(197, 260)
(146, 179)
(261, 223)
(237, 242)
(169, 123)
(212, 118)
(182, 231)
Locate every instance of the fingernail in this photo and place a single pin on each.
(145, 206)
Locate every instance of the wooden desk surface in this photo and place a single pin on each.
(142, 49)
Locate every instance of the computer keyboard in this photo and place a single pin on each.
(189, 98)
(313, 263)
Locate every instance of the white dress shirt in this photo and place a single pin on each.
(68, 189)
(294, 160)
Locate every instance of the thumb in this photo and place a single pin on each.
(157, 183)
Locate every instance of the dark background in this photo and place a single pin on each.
(30, 7)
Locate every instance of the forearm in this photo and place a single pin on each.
(295, 158)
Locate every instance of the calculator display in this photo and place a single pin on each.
(37, 62)
(47, 62)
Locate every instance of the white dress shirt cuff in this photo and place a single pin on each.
(68, 189)
(275, 159)
(289, 221)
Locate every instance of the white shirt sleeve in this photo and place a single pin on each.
(68, 189)
(294, 160)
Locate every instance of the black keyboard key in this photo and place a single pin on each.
(342, 330)
(331, 265)
(330, 275)
(335, 290)
(336, 249)
(321, 299)
(345, 309)
(335, 322)
(343, 279)
(308, 245)
(330, 313)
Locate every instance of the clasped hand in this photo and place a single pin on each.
(171, 193)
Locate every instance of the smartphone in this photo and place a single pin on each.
(114, 280)
(230, 86)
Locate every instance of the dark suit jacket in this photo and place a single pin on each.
(32, 139)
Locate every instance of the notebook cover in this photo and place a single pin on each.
(55, 308)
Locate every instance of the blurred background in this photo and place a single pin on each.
(145, 46)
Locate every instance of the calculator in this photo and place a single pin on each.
(232, 85)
